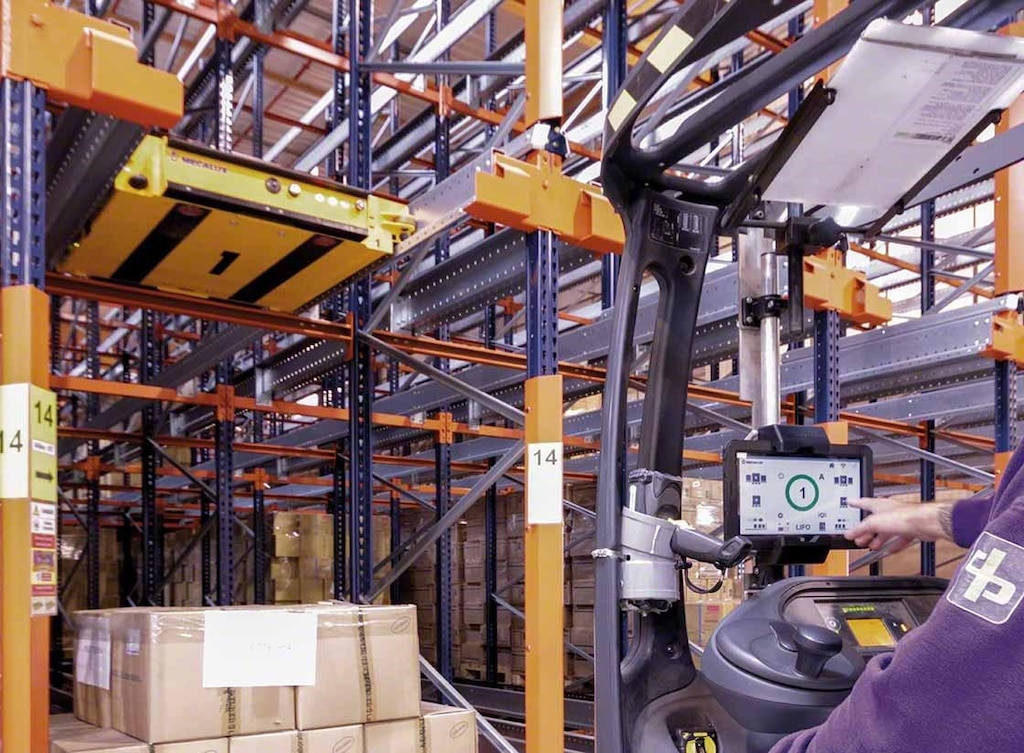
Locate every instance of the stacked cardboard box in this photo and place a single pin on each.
(69, 735)
(72, 549)
(302, 561)
(419, 585)
(186, 583)
(365, 695)
(302, 568)
(185, 586)
(439, 729)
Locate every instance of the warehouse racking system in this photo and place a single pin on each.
(480, 273)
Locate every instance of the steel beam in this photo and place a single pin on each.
(926, 454)
(340, 513)
(964, 287)
(152, 534)
(469, 15)
(224, 435)
(614, 74)
(928, 441)
(361, 370)
(442, 441)
(488, 271)
(826, 366)
(93, 507)
(442, 378)
(446, 68)
(261, 562)
(976, 163)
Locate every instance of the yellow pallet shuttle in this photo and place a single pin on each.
(185, 218)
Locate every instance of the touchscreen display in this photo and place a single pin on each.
(797, 496)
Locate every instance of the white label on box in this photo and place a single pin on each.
(92, 654)
(544, 483)
(259, 648)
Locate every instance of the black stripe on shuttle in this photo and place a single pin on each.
(313, 249)
(227, 258)
(176, 225)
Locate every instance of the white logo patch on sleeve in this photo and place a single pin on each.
(990, 584)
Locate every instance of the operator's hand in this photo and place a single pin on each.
(901, 523)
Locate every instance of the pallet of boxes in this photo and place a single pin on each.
(318, 678)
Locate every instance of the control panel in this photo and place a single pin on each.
(790, 492)
(680, 225)
(867, 623)
(804, 496)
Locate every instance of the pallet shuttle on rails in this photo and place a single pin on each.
(181, 217)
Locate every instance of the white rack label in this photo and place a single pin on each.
(544, 483)
(28, 442)
(15, 443)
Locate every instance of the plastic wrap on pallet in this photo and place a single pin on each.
(92, 667)
(157, 688)
(372, 655)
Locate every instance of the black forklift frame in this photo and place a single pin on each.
(636, 180)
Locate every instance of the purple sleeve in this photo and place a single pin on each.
(947, 685)
(970, 516)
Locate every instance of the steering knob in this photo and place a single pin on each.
(815, 645)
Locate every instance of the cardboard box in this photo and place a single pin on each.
(277, 742)
(74, 736)
(284, 569)
(582, 595)
(333, 740)
(92, 667)
(367, 667)
(157, 683)
(316, 568)
(286, 534)
(316, 537)
(64, 723)
(286, 590)
(582, 635)
(312, 591)
(440, 729)
(220, 745)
